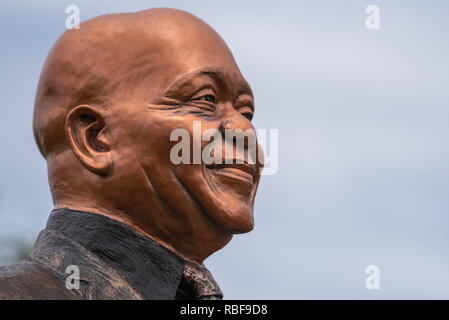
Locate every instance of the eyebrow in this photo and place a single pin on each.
(215, 74)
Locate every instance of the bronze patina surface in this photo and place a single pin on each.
(137, 225)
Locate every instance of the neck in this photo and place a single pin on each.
(192, 238)
(190, 249)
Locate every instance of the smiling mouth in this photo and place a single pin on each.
(241, 171)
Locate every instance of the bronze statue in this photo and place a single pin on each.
(136, 225)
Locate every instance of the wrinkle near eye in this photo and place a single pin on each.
(243, 101)
(202, 94)
(190, 85)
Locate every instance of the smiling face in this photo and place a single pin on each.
(109, 98)
(207, 99)
(199, 87)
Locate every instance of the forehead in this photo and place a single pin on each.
(151, 50)
(198, 52)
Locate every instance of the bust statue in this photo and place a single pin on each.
(134, 223)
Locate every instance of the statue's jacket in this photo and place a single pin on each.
(81, 255)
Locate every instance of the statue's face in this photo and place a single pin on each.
(195, 83)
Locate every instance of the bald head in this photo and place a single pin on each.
(113, 57)
(110, 97)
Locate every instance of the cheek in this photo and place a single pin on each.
(150, 137)
(154, 133)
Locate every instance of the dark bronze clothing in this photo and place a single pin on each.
(114, 262)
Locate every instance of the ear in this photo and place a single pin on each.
(85, 130)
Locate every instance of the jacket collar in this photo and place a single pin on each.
(114, 260)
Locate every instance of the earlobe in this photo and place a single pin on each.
(85, 131)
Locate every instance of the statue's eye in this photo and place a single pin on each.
(209, 98)
(248, 115)
(247, 112)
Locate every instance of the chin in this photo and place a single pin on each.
(225, 196)
(236, 218)
(230, 196)
(243, 225)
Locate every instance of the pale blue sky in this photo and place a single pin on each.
(363, 153)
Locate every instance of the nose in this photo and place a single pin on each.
(236, 126)
(239, 136)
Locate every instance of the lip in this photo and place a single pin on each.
(241, 171)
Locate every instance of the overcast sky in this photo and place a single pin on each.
(362, 116)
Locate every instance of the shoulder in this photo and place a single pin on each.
(29, 280)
